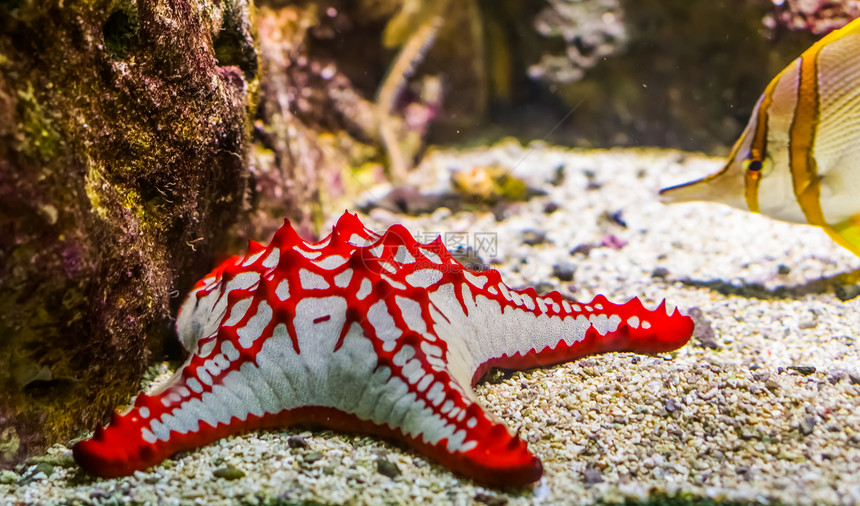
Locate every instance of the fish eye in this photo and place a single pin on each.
(752, 165)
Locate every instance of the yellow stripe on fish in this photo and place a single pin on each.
(798, 159)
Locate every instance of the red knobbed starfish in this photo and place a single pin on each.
(365, 333)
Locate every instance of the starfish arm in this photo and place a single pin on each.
(518, 329)
(595, 327)
(432, 410)
(487, 324)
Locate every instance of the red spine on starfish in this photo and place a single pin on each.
(365, 333)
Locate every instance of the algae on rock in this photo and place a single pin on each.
(123, 129)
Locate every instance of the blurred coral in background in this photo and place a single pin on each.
(816, 16)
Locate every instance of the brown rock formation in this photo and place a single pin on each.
(122, 145)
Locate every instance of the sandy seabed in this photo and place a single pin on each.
(763, 405)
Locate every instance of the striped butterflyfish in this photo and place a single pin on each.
(798, 159)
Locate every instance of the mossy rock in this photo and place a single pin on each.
(123, 131)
